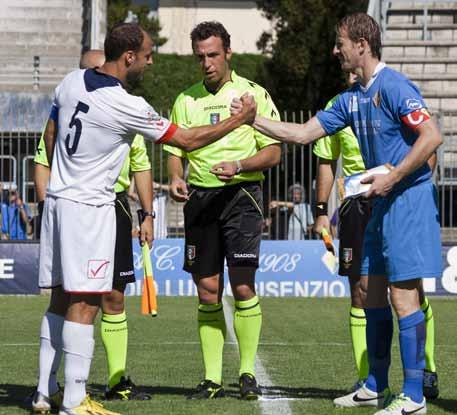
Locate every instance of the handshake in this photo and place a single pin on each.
(245, 107)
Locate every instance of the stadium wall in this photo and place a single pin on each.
(179, 17)
(287, 269)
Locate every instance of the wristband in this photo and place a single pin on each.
(238, 167)
(321, 208)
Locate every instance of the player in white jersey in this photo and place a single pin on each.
(92, 125)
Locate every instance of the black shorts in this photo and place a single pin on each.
(354, 214)
(124, 272)
(223, 223)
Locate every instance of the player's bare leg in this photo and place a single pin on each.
(212, 331)
(375, 391)
(114, 334)
(247, 323)
(48, 395)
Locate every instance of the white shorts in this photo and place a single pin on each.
(77, 246)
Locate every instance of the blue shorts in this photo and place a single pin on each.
(402, 239)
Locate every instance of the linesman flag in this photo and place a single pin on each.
(149, 295)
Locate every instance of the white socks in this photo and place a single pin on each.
(50, 353)
(78, 347)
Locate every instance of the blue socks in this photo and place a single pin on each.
(412, 349)
(379, 341)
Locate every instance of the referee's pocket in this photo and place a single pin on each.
(251, 223)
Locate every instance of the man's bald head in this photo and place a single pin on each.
(93, 58)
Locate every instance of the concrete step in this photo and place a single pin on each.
(26, 87)
(441, 14)
(443, 102)
(429, 49)
(50, 50)
(448, 123)
(33, 38)
(25, 71)
(406, 7)
(44, 12)
(433, 76)
(411, 31)
(29, 77)
(41, 25)
(421, 65)
(434, 89)
(449, 235)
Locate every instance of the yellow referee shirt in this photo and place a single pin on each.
(196, 106)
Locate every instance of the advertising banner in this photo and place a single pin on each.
(19, 268)
(287, 268)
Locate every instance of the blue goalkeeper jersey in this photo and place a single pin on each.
(384, 116)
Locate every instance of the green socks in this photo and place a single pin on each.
(114, 335)
(212, 330)
(247, 324)
(430, 336)
(358, 326)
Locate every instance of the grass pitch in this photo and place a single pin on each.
(305, 351)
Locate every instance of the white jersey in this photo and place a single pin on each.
(96, 122)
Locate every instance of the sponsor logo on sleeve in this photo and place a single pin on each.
(155, 120)
(413, 104)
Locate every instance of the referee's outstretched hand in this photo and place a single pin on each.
(246, 106)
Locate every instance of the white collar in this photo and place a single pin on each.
(379, 67)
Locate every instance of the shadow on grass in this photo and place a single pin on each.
(449, 405)
(97, 390)
(278, 392)
(19, 396)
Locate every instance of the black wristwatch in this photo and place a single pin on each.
(143, 213)
(152, 214)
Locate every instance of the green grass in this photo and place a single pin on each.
(304, 349)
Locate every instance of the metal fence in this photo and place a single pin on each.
(298, 166)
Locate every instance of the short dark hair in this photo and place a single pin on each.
(205, 30)
(121, 38)
(361, 25)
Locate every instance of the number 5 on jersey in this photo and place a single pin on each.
(75, 122)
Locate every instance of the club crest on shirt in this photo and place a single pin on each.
(347, 257)
(376, 99)
(214, 118)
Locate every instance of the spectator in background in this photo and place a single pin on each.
(300, 216)
(16, 218)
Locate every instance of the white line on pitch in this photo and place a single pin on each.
(267, 406)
